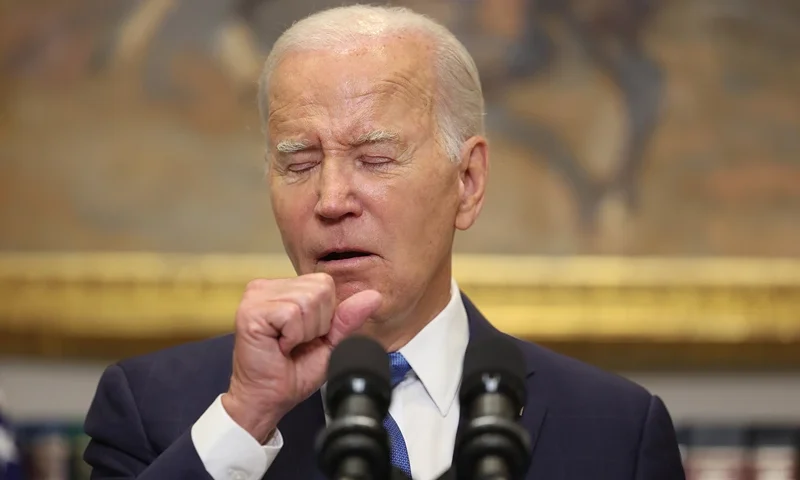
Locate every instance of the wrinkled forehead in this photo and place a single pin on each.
(386, 77)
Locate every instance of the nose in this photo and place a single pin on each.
(336, 195)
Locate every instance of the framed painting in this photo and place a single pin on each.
(643, 206)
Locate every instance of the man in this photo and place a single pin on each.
(376, 155)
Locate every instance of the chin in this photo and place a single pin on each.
(346, 288)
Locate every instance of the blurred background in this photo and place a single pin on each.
(643, 211)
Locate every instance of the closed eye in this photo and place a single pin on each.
(301, 167)
(369, 160)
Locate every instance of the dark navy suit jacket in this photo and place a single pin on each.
(585, 423)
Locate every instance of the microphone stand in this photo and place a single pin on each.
(487, 467)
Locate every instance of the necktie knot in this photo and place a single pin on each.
(398, 367)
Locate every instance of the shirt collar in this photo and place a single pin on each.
(436, 353)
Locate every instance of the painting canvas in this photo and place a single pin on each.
(617, 127)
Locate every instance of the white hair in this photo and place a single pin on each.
(458, 99)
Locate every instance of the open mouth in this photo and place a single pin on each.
(343, 255)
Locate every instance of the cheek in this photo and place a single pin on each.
(378, 192)
(437, 205)
(288, 208)
(417, 212)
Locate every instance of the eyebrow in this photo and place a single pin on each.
(291, 146)
(375, 136)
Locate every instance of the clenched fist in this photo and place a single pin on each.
(285, 332)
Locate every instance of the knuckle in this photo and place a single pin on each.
(247, 305)
(249, 312)
(249, 322)
(257, 314)
(285, 312)
(251, 328)
(257, 284)
(324, 285)
(321, 278)
(306, 300)
(245, 310)
(327, 283)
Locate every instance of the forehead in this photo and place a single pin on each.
(389, 78)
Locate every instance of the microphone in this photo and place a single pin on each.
(355, 446)
(492, 445)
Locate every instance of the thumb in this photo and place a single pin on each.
(352, 313)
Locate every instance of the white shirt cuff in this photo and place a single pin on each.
(228, 451)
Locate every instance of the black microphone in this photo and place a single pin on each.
(355, 446)
(491, 444)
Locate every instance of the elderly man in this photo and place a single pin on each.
(376, 155)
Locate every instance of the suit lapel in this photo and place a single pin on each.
(535, 408)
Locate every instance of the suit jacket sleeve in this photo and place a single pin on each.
(119, 447)
(659, 456)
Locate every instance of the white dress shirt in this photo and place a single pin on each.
(424, 405)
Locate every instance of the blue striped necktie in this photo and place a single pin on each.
(399, 368)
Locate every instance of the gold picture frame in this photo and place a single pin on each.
(618, 312)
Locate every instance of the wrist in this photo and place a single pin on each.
(253, 420)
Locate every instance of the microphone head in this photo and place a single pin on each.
(359, 365)
(493, 365)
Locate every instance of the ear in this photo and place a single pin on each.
(473, 173)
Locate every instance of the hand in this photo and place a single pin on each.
(285, 332)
